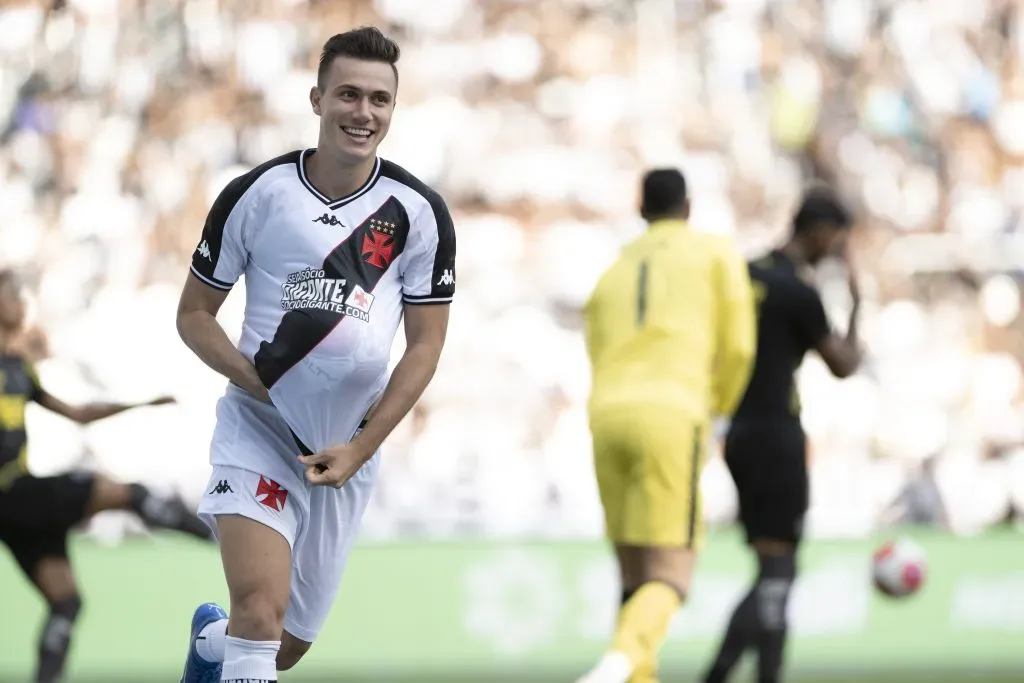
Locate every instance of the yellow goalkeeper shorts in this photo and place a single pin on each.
(648, 461)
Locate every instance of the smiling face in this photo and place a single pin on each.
(354, 100)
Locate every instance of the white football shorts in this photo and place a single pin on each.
(257, 474)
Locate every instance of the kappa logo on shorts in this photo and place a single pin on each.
(274, 496)
(222, 487)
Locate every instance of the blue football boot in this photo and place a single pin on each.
(197, 669)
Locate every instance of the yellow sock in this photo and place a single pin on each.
(643, 624)
(645, 677)
(647, 670)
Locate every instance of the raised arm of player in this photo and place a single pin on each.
(87, 412)
(199, 329)
(90, 412)
(736, 332)
(842, 355)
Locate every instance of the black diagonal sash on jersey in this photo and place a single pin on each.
(362, 259)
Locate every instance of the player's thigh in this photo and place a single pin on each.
(767, 462)
(54, 577)
(256, 519)
(257, 569)
(322, 551)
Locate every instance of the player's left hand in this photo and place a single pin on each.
(334, 466)
(162, 401)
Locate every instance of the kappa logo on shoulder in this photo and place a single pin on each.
(447, 278)
(204, 250)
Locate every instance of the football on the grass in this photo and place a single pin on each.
(899, 568)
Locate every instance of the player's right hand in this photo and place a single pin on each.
(335, 465)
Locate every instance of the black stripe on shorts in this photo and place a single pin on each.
(694, 486)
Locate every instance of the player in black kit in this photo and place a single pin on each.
(765, 448)
(36, 513)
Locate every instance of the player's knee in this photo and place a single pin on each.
(291, 652)
(256, 617)
(772, 547)
(57, 631)
(671, 566)
(67, 608)
(772, 600)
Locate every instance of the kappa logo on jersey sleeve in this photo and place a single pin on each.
(204, 250)
(447, 278)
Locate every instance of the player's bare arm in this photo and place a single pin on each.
(425, 330)
(842, 355)
(91, 412)
(199, 329)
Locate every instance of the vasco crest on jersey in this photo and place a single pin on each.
(379, 243)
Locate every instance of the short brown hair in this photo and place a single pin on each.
(366, 43)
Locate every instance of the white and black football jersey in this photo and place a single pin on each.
(326, 280)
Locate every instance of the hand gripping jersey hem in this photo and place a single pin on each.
(212, 282)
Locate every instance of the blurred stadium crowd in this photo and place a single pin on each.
(120, 120)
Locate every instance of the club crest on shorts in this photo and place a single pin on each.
(273, 496)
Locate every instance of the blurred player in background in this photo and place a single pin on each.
(765, 447)
(336, 246)
(37, 513)
(670, 335)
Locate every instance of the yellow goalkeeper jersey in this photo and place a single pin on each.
(672, 322)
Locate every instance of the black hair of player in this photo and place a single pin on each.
(664, 195)
(820, 207)
(366, 43)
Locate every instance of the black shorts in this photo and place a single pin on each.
(36, 514)
(768, 463)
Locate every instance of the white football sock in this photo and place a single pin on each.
(210, 644)
(249, 660)
(614, 667)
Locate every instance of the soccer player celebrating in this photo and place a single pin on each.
(765, 447)
(37, 513)
(336, 246)
(670, 336)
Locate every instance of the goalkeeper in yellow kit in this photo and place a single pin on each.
(670, 331)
